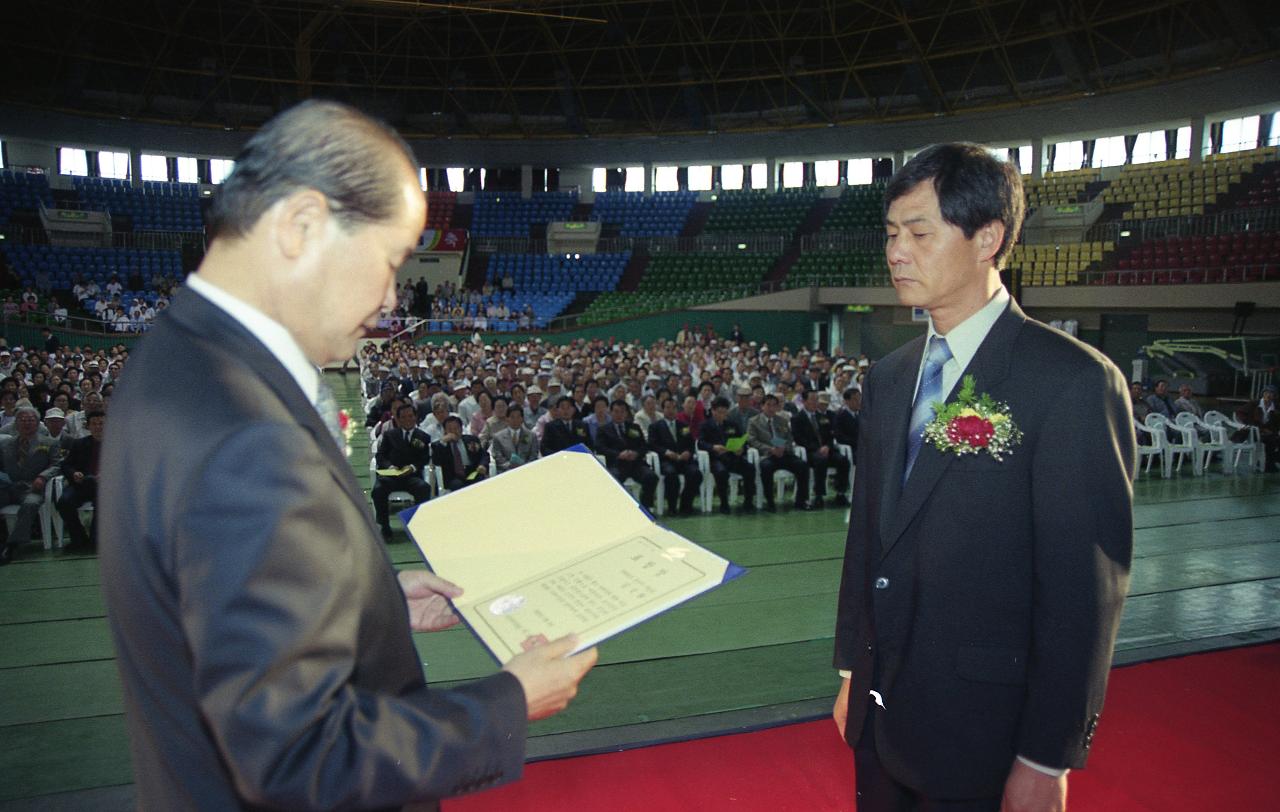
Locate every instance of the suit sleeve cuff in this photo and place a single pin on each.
(1056, 772)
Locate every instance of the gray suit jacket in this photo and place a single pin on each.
(262, 637)
(981, 599)
(506, 442)
(761, 439)
(42, 458)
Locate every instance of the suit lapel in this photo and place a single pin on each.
(198, 315)
(896, 403)
(989, 366)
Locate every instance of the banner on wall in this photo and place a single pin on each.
(451, 240)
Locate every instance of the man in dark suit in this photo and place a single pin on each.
(813, 430)
(80, 486)
(623, 447)
(460, 457)
(673, 442)
(262, 635)
(716, 432)
(846, 422)
(28, 459)
(981, 595)
(566, 430)
(404, 446)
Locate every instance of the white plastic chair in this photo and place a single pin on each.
(781, 479)
(1204, 449)
(394, 496)
(1153, 450)
(1251, 445)
(1174, 449)
(709, 481)
(53, 492)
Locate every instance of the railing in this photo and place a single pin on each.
(148, 240)
(1232, 221)
(75, 322)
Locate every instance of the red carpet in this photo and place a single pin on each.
(1193, 733)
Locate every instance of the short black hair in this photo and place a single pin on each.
(769, 397)
(404, 406)
(974, 188)
(517, 408)
(598, 399)
(92, 414)
(323, 145)
(720, 402)
(850, 392)
(453, 418)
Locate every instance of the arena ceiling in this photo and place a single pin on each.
(541, 69)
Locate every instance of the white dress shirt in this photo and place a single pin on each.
(273, 335)
(964, 340)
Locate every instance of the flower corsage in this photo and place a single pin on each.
(972, 423)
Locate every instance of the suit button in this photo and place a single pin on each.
(882, 582)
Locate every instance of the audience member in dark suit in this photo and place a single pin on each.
(673, 442)
(403, 446)
(623, 447)
(263, 638)
(460, 457)
(981, 595)
(846, 423)
(716, 431)
(29, 460)
(769, 433)
(381, 408)
(565, 430)
(813, 429)
(80, 486)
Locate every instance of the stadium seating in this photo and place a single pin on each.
(507, 214)
(750, 210)
(1057, 264)
(662, 214)
(21, 190)
(440, 206)
(1242, 257)
(839, 269)
(540, 273)
(858, 207)
(1059, 188)
(100, 264)
(155, 206)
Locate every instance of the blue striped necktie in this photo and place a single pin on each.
(930, 390)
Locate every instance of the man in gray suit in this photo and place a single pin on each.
(263, 637)
(29, 459)
(514, 445)
(769, 433)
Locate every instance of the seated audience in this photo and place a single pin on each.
(80, 487)
(769, 433)
(28, 461)
(514, 444)
(623, 447)
(673, 442)
(459, 457)
(716, 432)
(813, 430)
(403, 447)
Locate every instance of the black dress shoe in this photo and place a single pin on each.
(841, 500)
(770, 507)
(725, 510)
(386, 533)
(803, 506)
(819, 503)
(748, 509)
(6, 554)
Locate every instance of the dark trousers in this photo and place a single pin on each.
(639, 472)
(671, 473)
(880, 792)
(730, 463)
(68, 506)
(770, 465)
(822, 464)
(410, 483)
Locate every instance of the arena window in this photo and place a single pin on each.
(860, 171)
(1183, 148)
(219, 168)
(113, 165)
(599, 180)
(826, 173)
(731, 176)
(665, 179)
(188, 171)
(1108, 152)
(700, 178)
(634, 181)
(72, 161)
(2, 162)
(1068, 155)
(155, 167)
(1148, 147)
(1240, 133)
(457, 177)
(759, 176)
(792, 174)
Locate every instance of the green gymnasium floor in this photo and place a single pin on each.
(755, 652)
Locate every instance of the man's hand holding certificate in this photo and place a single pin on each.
(558, 547)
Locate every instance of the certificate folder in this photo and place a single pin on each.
(558, 546)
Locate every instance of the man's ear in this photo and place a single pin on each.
(989, 238)
(298, 222)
